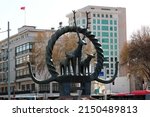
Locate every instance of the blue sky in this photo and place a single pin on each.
(48, 13)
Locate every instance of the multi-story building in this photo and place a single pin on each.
(20, 51)
(108, 24)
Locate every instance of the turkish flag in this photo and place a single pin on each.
(22, 8)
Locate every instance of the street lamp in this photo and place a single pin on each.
(8, 64)
(8, 58)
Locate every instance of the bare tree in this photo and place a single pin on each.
(66, 43)
(63, 45)
(136, 53)
(39, 49)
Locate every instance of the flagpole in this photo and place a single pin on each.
(24, 9)
(24, 17)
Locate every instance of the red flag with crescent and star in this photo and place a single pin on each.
(22, 8)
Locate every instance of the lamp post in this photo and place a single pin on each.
(8, 63)
(8, 59)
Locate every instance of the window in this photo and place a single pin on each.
(94, 27)
(18, 49)
(23, 48)
(23, 87)
(115, 46)
(111, 34)
(94, 33)
(115, 22)
(93, 15)
(55, 87)
(106, 15)
(22, 60)
(112, 65)
(115, 40)
(30, 45)
(92, 8)
(105, 40)
(98, 33)
(105, 28)
(17, 61)
(22, 73)
(106, 59)
(115, 34)
(104, 21)
(106, 53)
(111, 53)
(98, 21)
(111, 22)
(22, 36)
(98, 27)
(33, 87)
(148, 87)
(1, 66)
(105, 46)
(115, 28)
(111, 59)
(111, 28)
(106, 65)
(110, 16)
(28, 87)
(44, 87)
(111, 46)
(105, 34)
(83, 21)
(102, 15)
(98, 15)
(116, 53)
(111, 40)
(94, 21)
(27, 45)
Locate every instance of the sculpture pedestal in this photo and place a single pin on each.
(65, 84)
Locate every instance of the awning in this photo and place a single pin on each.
(140, 92)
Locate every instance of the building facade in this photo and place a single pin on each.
(108, 24)
(20, 51)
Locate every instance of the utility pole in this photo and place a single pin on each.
(9, 94)
(8, 60)
(105, 93)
